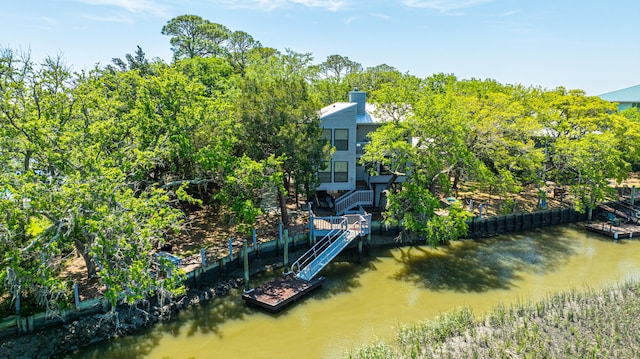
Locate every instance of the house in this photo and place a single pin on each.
(344, 182)
(626, 98)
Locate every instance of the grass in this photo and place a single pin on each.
(591, 324)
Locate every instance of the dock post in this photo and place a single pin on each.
(255, 242)
(480, 208)
(633, 196)
(359, 249)
(245, 253)
(310, 224)
(203, 257)
(76, 295)
(369, 236)
(18, 303)
(286, 250)
(231, 248)
(280, 236)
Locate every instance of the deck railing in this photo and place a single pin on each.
(353, 199)
(323, 244)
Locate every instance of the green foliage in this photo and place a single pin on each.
(193, 36)
(500, 137)
(279, 124)
(579, 132)
(99, 161)
(572, 324)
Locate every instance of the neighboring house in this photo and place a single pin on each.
(626, 98)
(344, 181)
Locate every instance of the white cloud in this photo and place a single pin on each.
(121, 19)
(507, 14)
(445, 5)
(133, 6)
(381, 16)
(331, 5)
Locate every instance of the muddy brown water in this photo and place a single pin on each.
(361, 303)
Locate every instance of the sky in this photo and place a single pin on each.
(585, 44)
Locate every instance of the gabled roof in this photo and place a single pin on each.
(336, 107)
(371, 115)
(629, 94)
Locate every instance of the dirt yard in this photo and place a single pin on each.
(203, 229)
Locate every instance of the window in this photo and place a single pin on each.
(326, 136)
(324, 174)
(341, 171)
(341, 139)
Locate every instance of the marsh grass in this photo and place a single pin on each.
(573, 324)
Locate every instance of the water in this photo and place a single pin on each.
(360, 303)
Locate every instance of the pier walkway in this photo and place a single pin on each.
(301, 280)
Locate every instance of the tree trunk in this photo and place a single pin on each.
(456, 179)
(284, 215)
(295, 190)
(27, 160)
(394, 177)
(433, 188)
(83, 249)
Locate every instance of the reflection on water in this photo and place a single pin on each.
(363, 302)
(490, 264)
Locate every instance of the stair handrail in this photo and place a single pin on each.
(314, 251)
(338, 204)
(309, 256)
(319, 247)
(351, 199)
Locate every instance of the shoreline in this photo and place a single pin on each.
(64, 339)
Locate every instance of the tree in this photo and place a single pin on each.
(65, 190)
(193, 36)
(501, 129)
(444, 130)
(240, 46)
(627, 129)
(581, 131)
(279, 120)
(137, 62)
(337, 66)
(331, 85)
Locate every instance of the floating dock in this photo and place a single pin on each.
(615, 231)
(278, 293)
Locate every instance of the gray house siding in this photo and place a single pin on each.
(352, 116)
(343, 119)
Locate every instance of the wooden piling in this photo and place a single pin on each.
(245, 253)
(76, 295)
(286, 250)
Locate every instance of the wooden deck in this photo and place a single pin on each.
(278, 293)
(622, 230)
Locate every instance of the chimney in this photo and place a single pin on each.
(359, 97)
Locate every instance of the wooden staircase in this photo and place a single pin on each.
(352, 200)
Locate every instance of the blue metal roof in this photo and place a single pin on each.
(629, 94)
